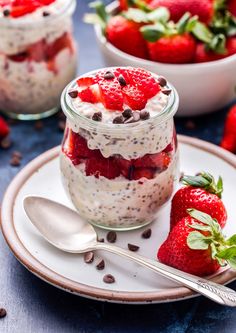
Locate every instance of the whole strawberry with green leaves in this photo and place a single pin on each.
(228, 141)
(196, 245)
(200, 192)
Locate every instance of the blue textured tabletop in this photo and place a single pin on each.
(34, 306)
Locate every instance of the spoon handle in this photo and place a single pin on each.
(212, 290)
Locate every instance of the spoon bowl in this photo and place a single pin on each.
(60, 225)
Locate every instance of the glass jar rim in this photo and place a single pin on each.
(68, 7)
(67, 107)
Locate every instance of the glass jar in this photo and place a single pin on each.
(37, 59)
(140, 163)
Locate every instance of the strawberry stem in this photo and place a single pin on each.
(206, 181)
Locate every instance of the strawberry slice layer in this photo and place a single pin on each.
(101, 166)
(20, 8)
(111, 94)
(134, 97)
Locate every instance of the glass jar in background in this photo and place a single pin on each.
(38, 58)
(137, 165)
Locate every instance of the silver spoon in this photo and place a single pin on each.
(66, 230)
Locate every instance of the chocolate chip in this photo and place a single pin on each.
(88, 257)
(129, 120)
(133, 247)
(100, 265)
(109, 75)
(73, 93)
(166, 91)
(100, 240)
(108, 278)
(6, 143)
(61, 125)
(111, 236)
(38, 125)
(136, 116)
(127, 113)
(3, 312)
(147, 233)
(118, 120)
(15, 161)
(162, 81)
(17, 154)
(6, 12)
(190, 125)
(97, 116)
(121, 80)
(144, 115)
(46, 14)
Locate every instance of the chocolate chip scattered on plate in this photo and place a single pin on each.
(108, 278)
(133, 247)
(89, 257)
(111, 237)
(6, 143)
(3, 312)
(147, 233)
(101, 265)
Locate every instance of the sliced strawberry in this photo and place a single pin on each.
(111, 94)
(159, 160)
(20, 57)
(60, 44)
(169, 148)
(101, 166)
(134, 98)
(126, 167)
(37, 51)
(143, 173)
(91, 94)
(4, 129)
(85, 82)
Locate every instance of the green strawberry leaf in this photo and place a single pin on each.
(100, 10)
(182, 23)
(200, 227)
(191, 23)
(160, 14)
(140, 4)
(232, 262)
(231, 240)
(200, 216)
(201, 32)
(197, 241)
(227, 253)
(217, 45)
(136, 15)
(153, 32)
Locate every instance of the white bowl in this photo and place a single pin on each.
(202, 88)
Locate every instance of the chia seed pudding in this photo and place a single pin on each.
(37, 56)
(119, 164)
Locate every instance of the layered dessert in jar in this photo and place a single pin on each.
(37, 55)
(119, 157)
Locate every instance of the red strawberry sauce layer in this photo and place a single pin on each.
(76, 149)
(18, 8)
(119, 88)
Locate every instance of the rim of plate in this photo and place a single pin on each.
(53, 278)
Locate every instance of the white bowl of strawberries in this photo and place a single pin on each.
(197, 57)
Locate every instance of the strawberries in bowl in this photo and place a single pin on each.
(201, 48)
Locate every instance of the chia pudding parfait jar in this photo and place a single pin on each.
(37, 56)
(118, 176)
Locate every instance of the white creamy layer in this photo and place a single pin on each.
(119, 202)
(154, 105)
(15, 38)
(30, 87)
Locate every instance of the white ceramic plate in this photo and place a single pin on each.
(134, 284)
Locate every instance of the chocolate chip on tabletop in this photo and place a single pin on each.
(147, 233)
(97, 116)
(111, 237)
(133, 247)
(38, 125)
(88, 257)
(6, 143)
(3, 313)
(109, 75)
(15, 160)
(190, 124)
(108, 278)
(101, 265)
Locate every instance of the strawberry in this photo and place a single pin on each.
(176, 49)
(143, 173)
(4, 129)
(229, 138)
(197, 246)
(159, 161)
(91, 94)
(134, 97)
(20, 8)
(202, 193)
(204, 9)
(232, 7)
(126, 167)
(60, 44)
(204, 55)
(111, 94)
(101, 166)
(125, 35)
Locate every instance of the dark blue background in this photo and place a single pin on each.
(34, 306)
